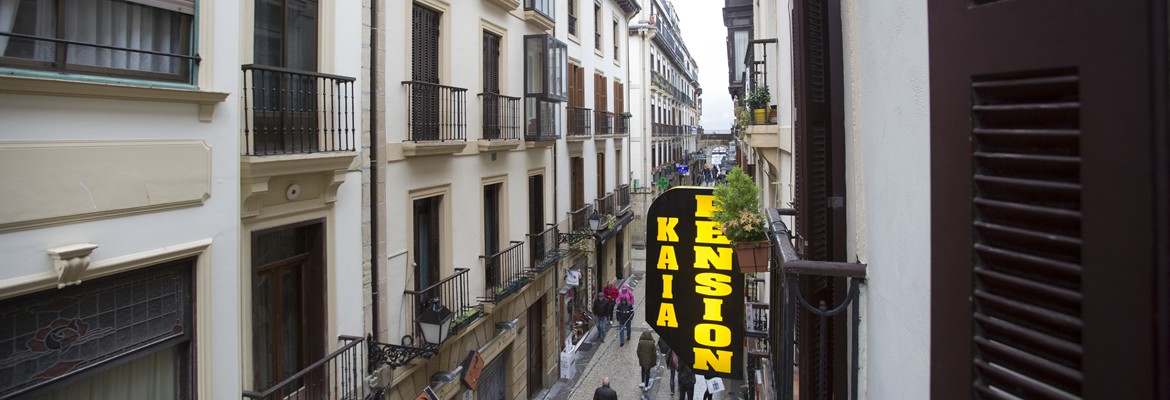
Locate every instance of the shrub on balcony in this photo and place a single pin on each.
(758, 101)
(738, 214)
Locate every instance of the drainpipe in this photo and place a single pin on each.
(644, 29)
(374, 165)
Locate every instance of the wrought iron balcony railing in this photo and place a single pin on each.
(501, 117)
(579, 218)
(437, 112)
(606, 205)
(623, 198)
(296, 112)
(580, 122)
(452, 292)
(604, 123)
(543, 251)
(623, 124)
(504, 273)
(820, 354)
(340, 375)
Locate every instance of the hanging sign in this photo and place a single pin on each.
(427, 394)
(472, 368)
(690, 268)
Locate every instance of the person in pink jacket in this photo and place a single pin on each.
(626, 293)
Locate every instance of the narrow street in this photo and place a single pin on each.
(596, 360)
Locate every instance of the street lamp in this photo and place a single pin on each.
(435, 324)
(594, 221)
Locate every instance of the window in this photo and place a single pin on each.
(491, 234)
(286, 100)
(288, 301)
(573, 17)
(427, 240)
(597, 26)
(100, 37)
(600, 175)
(616, 46)
(577, 183)
(491, 84)
(544, 7)
(545, 84)
(424, 109)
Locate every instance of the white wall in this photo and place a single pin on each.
(888, 159)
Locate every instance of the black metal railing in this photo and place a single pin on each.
(579, 218)
(756, 289)
(756, 61)
(623, 198)
(296, 112)
(788, 302)
(623, 123)
(437, 112)
(606, 205)
(580, 122)
(452, 292)
(504, 273)
(501, 117)
(604, 123)
(340, 375)
(543, 251)
(757, 319)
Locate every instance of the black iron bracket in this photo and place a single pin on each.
(571, 238)
(396, 356)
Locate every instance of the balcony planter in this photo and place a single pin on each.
(738, 213)
(753, 256)
(758, 101)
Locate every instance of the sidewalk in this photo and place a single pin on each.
(620, 363)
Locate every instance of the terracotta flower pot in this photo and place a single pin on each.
(753, 256)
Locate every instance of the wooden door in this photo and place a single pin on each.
(1048, 199)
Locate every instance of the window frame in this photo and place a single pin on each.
(547, 8)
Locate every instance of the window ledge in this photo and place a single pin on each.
(536, 18)
(507, 5)
(57, 87)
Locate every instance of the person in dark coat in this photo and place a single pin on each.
(686, 383)
(604, 392)
(602, 309)
(647, 357)
(624, 314)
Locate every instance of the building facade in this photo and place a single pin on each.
(187, 223)
(497, 134)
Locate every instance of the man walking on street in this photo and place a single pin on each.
(602, 308)
(686, 383)
(624, 313)
(604, 392)
(647, 357)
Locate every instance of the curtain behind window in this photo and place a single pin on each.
(152, 377)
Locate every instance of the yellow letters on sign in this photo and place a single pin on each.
(667, 259)
(708, 232)
(666, 231)
(709, 360)
(704, 206)
(712, 284)
(718, 257)
(712, 335)
(666, 316)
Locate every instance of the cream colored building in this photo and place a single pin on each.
(184, 212)
(485, 163)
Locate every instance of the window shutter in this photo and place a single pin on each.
(600, 175)
(491, 63)
(426, 45)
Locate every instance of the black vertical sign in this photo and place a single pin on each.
(694, 293)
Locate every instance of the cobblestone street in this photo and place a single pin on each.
(595, 360)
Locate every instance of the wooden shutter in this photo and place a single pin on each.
(491, 63)
(619, 96)
(577, 170)
(1048, 200)
(600, 175)
(425, 46)
(820, 182)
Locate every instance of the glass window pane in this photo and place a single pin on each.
(534, 64)
(29, 17)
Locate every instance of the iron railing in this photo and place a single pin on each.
(606, 205)
(580, 122)
(543, 251)
(504, 273)
(604, 122)
(337, 376)
(788, 302)
(623, 198)
(668, 130)
(437, 112)
(501, 117)
(623, 124)
(296, 112)
(452, 292)
(579, 218)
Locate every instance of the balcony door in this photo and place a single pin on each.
(577, 184)
(536, 216)
(288, 301)
(427, 264)
(424, 110)
(491, 234)
(286, 108)
(491, 84)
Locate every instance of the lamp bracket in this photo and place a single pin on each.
(573, 237)
(396, 356)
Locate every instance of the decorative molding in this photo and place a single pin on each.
(507, 5)
(31, 283)
(423, 149)
(257, 172)
(67, 88)
(539, 20)
(70, 262)
(487, 146)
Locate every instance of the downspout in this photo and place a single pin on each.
(374, 165)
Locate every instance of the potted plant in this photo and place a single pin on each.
(739, 217)
(742, 115)
(758, 101)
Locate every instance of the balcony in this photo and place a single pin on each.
(452, 292)
(543, 251)
(623, 125)
(604, 123)
(296, 112)
(340, 375)
(580, 123)
(579, 219)
(436, 119)
(665, 130)
(606, 205)
(798, 285)
(540, 13)
(504, 273)
(623, 198)
(501, 122)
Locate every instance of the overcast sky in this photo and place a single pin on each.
(701, 22)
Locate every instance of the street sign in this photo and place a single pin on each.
(694, 294)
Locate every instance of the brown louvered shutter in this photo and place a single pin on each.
(619, 98)
(1049, 200)
(491, 84)
(577, 171)
(820, 194)
(600, 175)
(424, 110)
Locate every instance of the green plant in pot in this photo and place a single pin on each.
(758, 101)
(737, 205)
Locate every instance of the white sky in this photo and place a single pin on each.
(701, 23)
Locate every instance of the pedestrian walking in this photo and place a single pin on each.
(686, 383)
(646, 358)
(671, 361)
(602, 309)
(624, 314)
(611, 292)
(604, 392)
